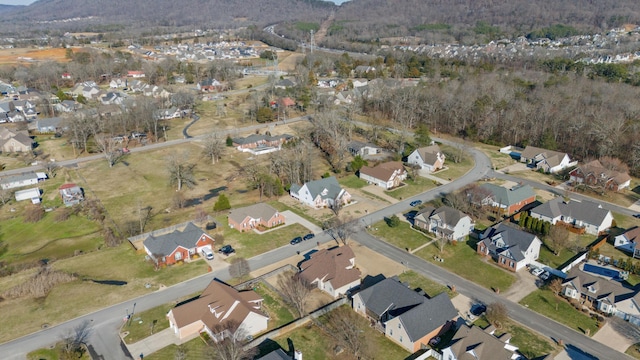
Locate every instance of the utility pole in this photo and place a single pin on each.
(312, 43)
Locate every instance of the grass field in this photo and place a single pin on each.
(558, 309)
(402, 236)
(279, 313)
(412, 187)
(430, 287)
(352, 181)
(195, 349)
(529, 343)
(67, 301)
(455, 169)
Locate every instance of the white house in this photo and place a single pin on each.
(580, 214)
(28, 194)
(386, 175)
(320, 193)
(332, 270)
(512, 248)
(547, 160)
(26, 179)
(444, 222)
(430, 158)
(628, 241)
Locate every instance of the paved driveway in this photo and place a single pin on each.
(618, 334)
(524, 285)
(295, 218)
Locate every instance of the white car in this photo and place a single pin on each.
(536, 272)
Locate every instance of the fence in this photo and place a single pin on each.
(297, 323)
(575, 262)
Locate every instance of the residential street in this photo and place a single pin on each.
(105, 323)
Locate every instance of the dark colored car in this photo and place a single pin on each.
(636, 216)
(296, 240)
(226, 250)
(478, 309)
(309, 236)
(415, 202)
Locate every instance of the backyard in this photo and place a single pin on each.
(529, 343)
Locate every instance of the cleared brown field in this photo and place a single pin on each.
(26, 55)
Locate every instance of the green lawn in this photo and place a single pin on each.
(463, 260)
(249, 243)
(279, 313)
(352, 181)
(412, 187)
(141, 324)
(402, 236)
(558, 309)
(53, 354)
(429, 286)
(195, 349)
(529, 343)
(455, 170)
(48, 239)
(283, 207)
(634, 351)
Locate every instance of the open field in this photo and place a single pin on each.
(66, 301)
(402, 236)
(412, 187)
(26, 55)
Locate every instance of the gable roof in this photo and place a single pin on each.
(446, 214)
(218, 303)
(511, 196)
(389, 294)
(596, 169)
(586, 211)
(255, 211)
(331, 265)
(254, 138)
(478, 344)
(20, 177)
(429, 154)
(508, 241)
(318, 187)
(383, 171)
(632, 234)
(167, 243)
(552, 158)
(428, 316)
(604, 289)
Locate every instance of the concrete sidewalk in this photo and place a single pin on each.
(155, 342)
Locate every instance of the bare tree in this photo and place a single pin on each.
(336, 206)
(109, 148)
(239, 268)
(214, 147)
(74, 344)
(295, 290)
(555, 286)
(181, 352)
(497, 314)
(5, 196)
(229, 343)
(559, 238)
(144, 215)
(345, 327)
(51, 168)
(181, 172)
(341, 228)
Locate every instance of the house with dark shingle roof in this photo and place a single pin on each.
(320, 193)
(586, 215)
(512, 248)
(445, 222)
(628, 241)
(430, 158)
(474, 343)
(606, 295)
(507, 200)
(595, 174)
(386, 175)
(181, 244)
(547, 160)
(254, 216)
(20, 180)
(404, 315)
(332, 270)
(261, 143)
(363, 149)
(219, 307)
(15, 141)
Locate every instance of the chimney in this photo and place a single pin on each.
(297, 355)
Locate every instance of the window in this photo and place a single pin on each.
(400, 338)
(399, 326)
(391, 332)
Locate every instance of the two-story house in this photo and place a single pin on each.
(512, 248)
(430, 158)
(320, 193)
(444, 222)
(386, 175)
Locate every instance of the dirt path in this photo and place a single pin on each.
(324, 27)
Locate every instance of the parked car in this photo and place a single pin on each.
(309, 236)
(207, 253)
(478, 309)
(226, 250)
(415, 202)
(536, 272)
(296, 240)
(545, 275)
(636, 216)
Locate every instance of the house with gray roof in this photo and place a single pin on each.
(15, 141)
(363, 149)
(25, 179)
(606, 295)
(409, 318)
(512, 248)
(507, 200)
(255, 216)
(430, 158)
(474, 343)
(320, 193)
(586, 215)
(179, 245)
(48, 125)
(261, 143)
(547, 160)
(444, 222)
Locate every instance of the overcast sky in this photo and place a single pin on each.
(16, 2)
